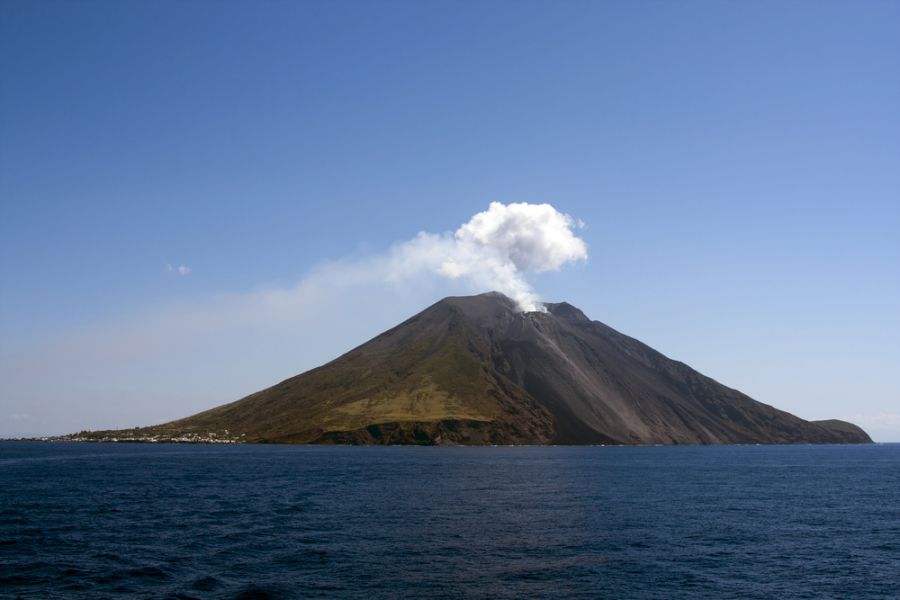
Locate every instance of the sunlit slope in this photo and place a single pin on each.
(429, 370)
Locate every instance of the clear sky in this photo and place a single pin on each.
(736, 165)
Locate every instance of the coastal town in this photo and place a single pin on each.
(145, 436)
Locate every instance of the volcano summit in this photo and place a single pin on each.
(476, 370)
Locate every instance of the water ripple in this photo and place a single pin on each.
(87, 521)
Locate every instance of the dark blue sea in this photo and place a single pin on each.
(195, 521)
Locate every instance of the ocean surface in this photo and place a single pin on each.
(196, 521)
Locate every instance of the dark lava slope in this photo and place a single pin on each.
(474, 370)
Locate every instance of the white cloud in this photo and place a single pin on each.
(180, 269)
(496, 249)
(533, 237)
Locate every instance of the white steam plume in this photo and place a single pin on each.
(496, 249)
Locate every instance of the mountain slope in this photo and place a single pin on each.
(473, 370)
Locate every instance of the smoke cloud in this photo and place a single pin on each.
(497, 249)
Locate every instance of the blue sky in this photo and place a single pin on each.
(737, 166)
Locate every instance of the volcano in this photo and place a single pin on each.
(476, 370)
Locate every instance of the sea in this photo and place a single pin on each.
(92, 520)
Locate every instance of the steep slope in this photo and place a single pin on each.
(473, 370)
(424, 380)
